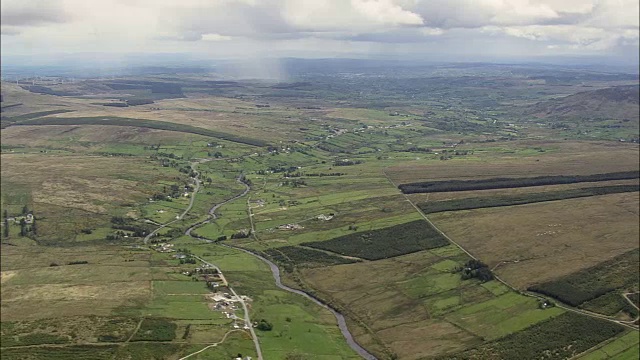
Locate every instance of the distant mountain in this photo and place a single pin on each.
(619, 103)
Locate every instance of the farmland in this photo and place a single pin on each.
(343, 173)
(548, 233)
(549, 338)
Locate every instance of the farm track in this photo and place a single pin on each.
(212, 345)
(628, 324)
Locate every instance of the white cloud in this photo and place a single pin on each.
(378, 26)
(215, 37)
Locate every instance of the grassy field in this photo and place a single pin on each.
(558, 158)
(599, 288)
(152, 124)
(299, 326)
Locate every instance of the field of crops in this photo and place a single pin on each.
(385, 243)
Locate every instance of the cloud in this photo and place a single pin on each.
(215, 37)
(287, 27)
(32, 13)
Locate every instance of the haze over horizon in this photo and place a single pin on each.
(41, 32)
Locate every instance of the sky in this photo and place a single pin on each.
(464, 30)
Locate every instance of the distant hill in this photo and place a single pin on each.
(619, 103)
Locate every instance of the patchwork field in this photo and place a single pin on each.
(91, 168)
(416, 305)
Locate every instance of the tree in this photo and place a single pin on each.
(264, 325)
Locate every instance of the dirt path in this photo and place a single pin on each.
(626, 296)
(135, 331)
(210, 346)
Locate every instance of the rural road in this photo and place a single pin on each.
(212, 211)
(191, 200)
(247, 319)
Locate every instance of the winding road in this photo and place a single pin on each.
(191, 200)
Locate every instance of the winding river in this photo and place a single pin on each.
(342, 324)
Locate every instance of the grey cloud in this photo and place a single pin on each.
(32, 13)
(232, 19)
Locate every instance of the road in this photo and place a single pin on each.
(191, 200)
(212, 212)
(247, 319)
